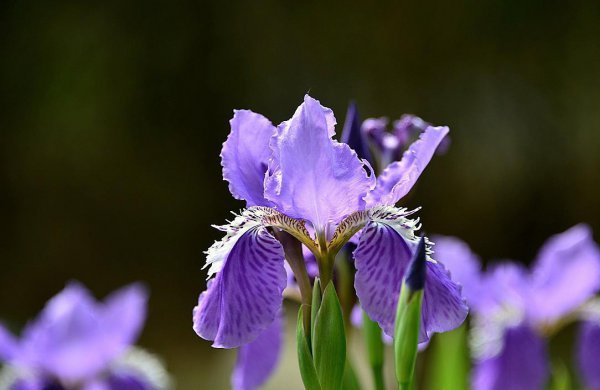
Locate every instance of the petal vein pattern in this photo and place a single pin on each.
(247, 292)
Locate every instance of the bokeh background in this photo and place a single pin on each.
(112, 117)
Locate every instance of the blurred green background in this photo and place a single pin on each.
(112, 117)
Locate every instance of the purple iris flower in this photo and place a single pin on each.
(79, 343)
(514, 309)
(297, 178)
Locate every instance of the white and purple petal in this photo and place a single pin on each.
(245, 156)
(522, 364)
(588, 354)
(565, 275)
(399, 177)
(311, 176)
(257, 360)
(246, 295)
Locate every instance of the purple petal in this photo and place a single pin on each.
(245, 156)
(399, 177)
(566, 274)
(588, 354)
(257, 360)
(312, 176)
(443, 307)
(463, 264)
(8, 345)
(246, 294)
(381, 260)
(67, 339)
(353, 136)
(123, 318)
(521, 365)
(125, 381)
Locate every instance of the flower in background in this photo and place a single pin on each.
(515, 310)
(79, 343)
(373, 141)
(295, 178)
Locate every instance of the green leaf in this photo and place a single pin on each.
(453, 373)
(350, 381)
(375, 349)
(329, 341)
(406, 335)
(314, 309)
(305, 360)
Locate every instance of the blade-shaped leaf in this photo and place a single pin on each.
(305, 360)
(329, 341)
(453, 373)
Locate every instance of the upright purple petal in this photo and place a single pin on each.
(312, 176)
(521, 365)
(399, 177)
(463, 264)
(352, 134)
(59, 341)
(246, 294)
(566, 274)
(443, 307)
(381, 260)
(245, 156)
(123, 318)
(588, 354)
(257, 360)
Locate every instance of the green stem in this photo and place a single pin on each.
(375, 349)
(325, 261)
(295, 258)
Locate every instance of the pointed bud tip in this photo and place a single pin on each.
(415, 278)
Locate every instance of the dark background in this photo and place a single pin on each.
(112, 118)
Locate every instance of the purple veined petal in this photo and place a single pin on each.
(353, 136)
(311, 176)
(588, 354)
(124, 314)
(245, 156)
(464, 267)
(399, 177)
(521, 365)
(9, 346)
(565, 275)
(245, 296)
(444, 308)
(257, 360)
(381, 259)
(59, 341)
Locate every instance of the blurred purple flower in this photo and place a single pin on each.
(77, 341)
(297, 178)
(514, 308)
(372, 141)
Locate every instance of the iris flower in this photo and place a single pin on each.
(516, 310)
(79, 343)
(296, 178)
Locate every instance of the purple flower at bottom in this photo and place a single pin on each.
(515, 309)
(588, 353)
(77, 341)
